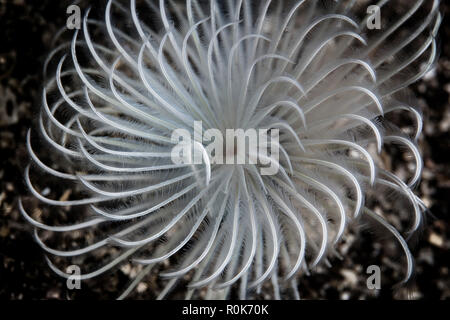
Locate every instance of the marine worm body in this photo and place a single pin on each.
(132, 75)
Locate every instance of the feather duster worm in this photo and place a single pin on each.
(316, 73)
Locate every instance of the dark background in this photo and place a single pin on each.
(26, 31)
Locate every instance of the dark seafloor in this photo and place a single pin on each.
(26, 30)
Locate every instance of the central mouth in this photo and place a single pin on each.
(231, 151)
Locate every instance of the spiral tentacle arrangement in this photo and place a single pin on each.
(138, 70)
